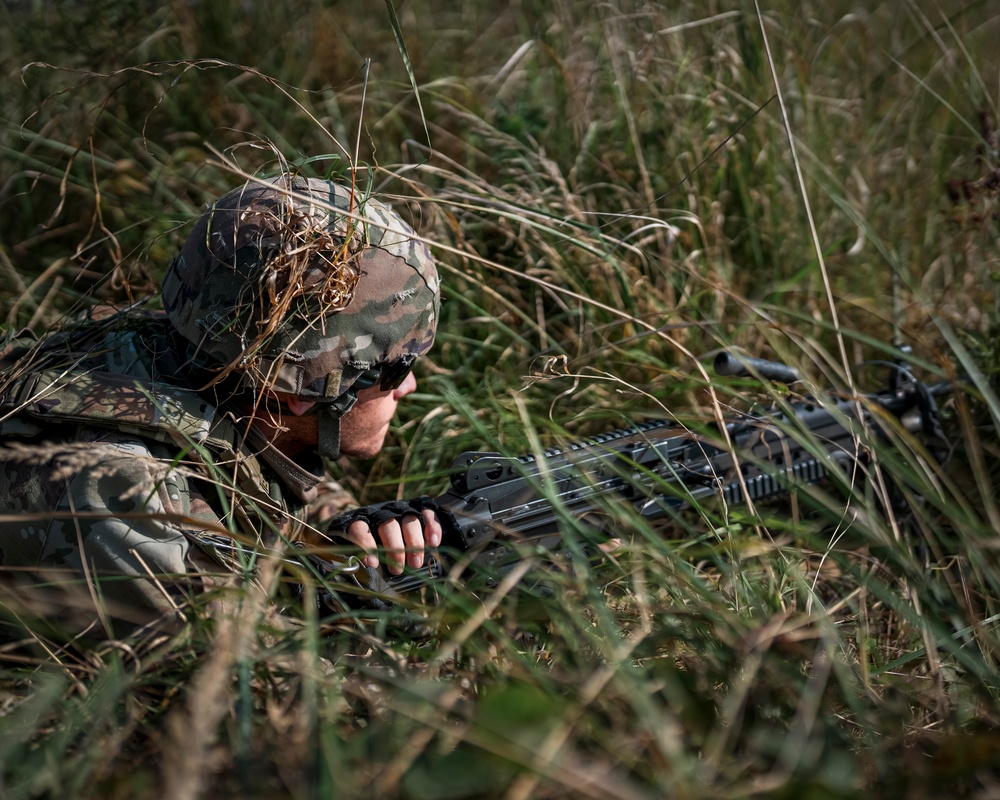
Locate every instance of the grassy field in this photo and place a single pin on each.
(615, 191)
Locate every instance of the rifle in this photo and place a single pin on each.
(660, 467)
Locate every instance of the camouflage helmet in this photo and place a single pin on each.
(303, 286)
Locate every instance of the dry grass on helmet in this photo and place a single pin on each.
(310, 271)
(315, 259)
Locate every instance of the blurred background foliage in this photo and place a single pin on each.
(612, 197)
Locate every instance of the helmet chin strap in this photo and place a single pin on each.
(329, 425)
(329, 433)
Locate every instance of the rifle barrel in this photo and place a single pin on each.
(738, 366)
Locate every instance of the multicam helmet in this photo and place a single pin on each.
(302, 286)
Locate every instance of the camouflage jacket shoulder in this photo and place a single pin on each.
(102, 374)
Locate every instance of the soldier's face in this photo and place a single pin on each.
(362, 429)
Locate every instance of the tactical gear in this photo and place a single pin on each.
(302, 286)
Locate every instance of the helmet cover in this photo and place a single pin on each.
(301, 286)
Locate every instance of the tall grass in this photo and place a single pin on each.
(612, 197)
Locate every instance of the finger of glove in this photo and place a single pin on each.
(360, 534)
(422, 502)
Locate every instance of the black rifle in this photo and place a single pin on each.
(660, 467)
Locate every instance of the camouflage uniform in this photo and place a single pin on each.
(124, 448)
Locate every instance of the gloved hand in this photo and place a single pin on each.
(405, 528)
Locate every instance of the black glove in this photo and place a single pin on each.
(377, 515)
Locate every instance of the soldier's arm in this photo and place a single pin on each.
(99, 529)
